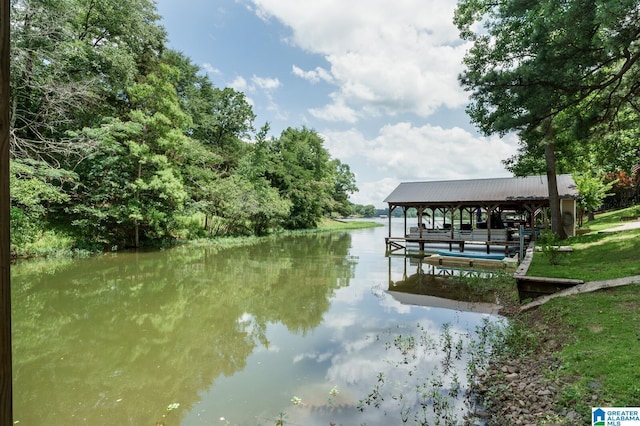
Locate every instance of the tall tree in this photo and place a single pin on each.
(301, 171)
(531, 61)
(344, 184)
(221, 118)
(71, 60)
(133, 186)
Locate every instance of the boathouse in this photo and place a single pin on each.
(478, 211)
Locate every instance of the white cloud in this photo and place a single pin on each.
(402, 152)
(374, 192)
(337, 111)
(240, 84)
(313, 76)
(266, 86)
(403, 58)
(266, 83)
(210, 69)
(388, 64)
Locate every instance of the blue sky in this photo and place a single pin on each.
(377, 79)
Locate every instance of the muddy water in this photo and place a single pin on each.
(308, 330)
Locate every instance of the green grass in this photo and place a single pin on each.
(600, 359)
(327, 224)
(595, 256)
(611, 219)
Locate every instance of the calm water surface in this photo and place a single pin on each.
(302, 329)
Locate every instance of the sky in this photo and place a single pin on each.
(376, 79)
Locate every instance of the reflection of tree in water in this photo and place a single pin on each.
(296, 293)
(119, 338)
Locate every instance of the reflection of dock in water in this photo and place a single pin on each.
(437, 287)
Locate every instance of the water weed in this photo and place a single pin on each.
(432, 380)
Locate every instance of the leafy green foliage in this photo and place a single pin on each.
(301, 170)
(120, 142)
(558, 74)
(549, 241)
(35, 187)
(593, 191)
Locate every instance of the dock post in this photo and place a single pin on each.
(521, 238)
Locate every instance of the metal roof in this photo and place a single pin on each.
(502, 190)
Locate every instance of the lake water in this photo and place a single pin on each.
(311, 330)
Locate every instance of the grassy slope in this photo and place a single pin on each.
(599, 360)
(596, 256)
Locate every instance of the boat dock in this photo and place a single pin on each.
(500, 213)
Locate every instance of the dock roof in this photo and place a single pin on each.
(516, 190)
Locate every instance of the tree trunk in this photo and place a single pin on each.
(6, 380)
(136, 224)
(552, 182)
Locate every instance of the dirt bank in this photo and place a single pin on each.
(524, 390)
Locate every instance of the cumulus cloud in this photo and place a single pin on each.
(337, 111)
(386, 66)
(314, 76)
(401, 152)
(240, 84)
(266, 83)
(210, 69)
(383, 60)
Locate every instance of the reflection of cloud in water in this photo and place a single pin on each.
(410, 360)
(312, 356)
(363, 358)
(391, 304)
(351, 295)
(340, 321)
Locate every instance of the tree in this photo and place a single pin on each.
(618, 147)
(268, 209)
(36, 189)
(246, 207)
(301, 171)
(366, 211)
(71, 60)
(133, 186)
(534, 61)
(593, 190)
(221, 118)
(344, 184)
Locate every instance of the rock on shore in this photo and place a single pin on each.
(524, 391)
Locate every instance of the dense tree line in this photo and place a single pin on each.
(118, 141)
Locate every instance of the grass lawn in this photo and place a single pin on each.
(327, 224)
(611, 219)
(599, 360)
(595, 256)
(601, 330)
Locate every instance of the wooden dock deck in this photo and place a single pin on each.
(452, 238)
(401, 243)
